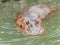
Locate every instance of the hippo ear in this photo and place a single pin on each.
(20, 16)
(52, 8)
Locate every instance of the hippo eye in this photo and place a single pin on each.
(21, 26)
(37, 22)
(27, 22)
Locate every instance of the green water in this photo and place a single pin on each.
(9, 34)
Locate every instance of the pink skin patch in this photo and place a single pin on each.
(29, 22)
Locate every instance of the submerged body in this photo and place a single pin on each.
(29, 22)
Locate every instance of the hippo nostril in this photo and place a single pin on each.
(31, 25)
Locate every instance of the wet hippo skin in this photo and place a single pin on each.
(29, 20)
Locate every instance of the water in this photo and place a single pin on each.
(10, 36)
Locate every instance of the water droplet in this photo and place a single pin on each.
(2, 32)
(46, 23)
(52, 26)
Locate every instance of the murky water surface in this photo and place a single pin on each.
(9, 34)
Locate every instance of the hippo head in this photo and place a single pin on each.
(30, 22)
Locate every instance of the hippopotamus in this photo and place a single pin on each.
(29, 20)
